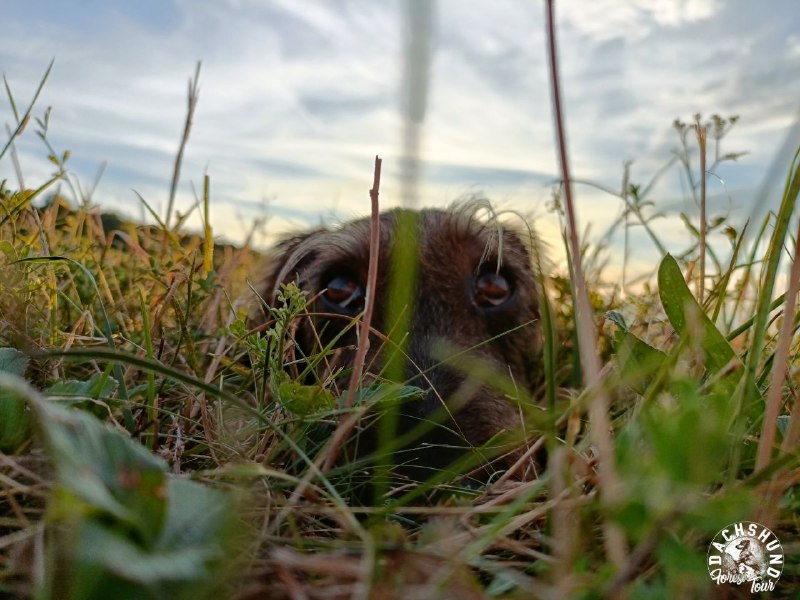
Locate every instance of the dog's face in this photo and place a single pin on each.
(475, 291)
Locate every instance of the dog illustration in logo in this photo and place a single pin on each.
(744, 558)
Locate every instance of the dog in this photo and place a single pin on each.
(475, 296)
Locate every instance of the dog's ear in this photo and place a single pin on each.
(284, 263)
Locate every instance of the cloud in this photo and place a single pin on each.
(793, 45)
(605, 19)
(297, 96)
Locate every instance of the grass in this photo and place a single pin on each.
(154, 446)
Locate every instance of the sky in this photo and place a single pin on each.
(298, 96)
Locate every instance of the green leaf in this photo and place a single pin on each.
(126, 528)
(688, 443)
(107, 471)
(15, 417)
(681, 560)
(93, 396)
(98, 385)
(107, 565)
(13, 361)
(303, 400)
(8, 250)
(382, 393)
(196, 516)
(637, 361)
(678, 301)
(617, 318)
(183, 563)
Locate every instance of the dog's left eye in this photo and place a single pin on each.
(344, 294)
(491, 289)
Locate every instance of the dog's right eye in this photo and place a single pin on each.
(344, 294)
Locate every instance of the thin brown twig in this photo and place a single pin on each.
(598, 410)
(361, 353)
(372, 280)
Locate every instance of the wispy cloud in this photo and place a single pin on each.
(297, 96)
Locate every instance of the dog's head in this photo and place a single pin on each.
(474, 292)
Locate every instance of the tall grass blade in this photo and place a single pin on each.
(767, 282)
(21, 124)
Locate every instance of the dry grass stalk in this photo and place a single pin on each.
(587, 340)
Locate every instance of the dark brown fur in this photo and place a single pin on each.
(454, 247)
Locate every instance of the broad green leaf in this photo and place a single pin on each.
(688, 443)
(7, 248)
(637, 360)
(15, 417)
(677, 300)
(195, 539)
(13, 361)
(85, 394)
(127, 528)
(681, 560)
(110, 473)
(197, 515)
(98, 385)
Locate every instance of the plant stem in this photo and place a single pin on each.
(598, 409)
(372, 279)
(702, 136)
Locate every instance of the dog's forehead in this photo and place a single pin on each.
(458, 239)
(438, 231)
(441, 228)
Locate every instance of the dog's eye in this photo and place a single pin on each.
(491, 289)
(344, 294)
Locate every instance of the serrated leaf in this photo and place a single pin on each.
(303, 400)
